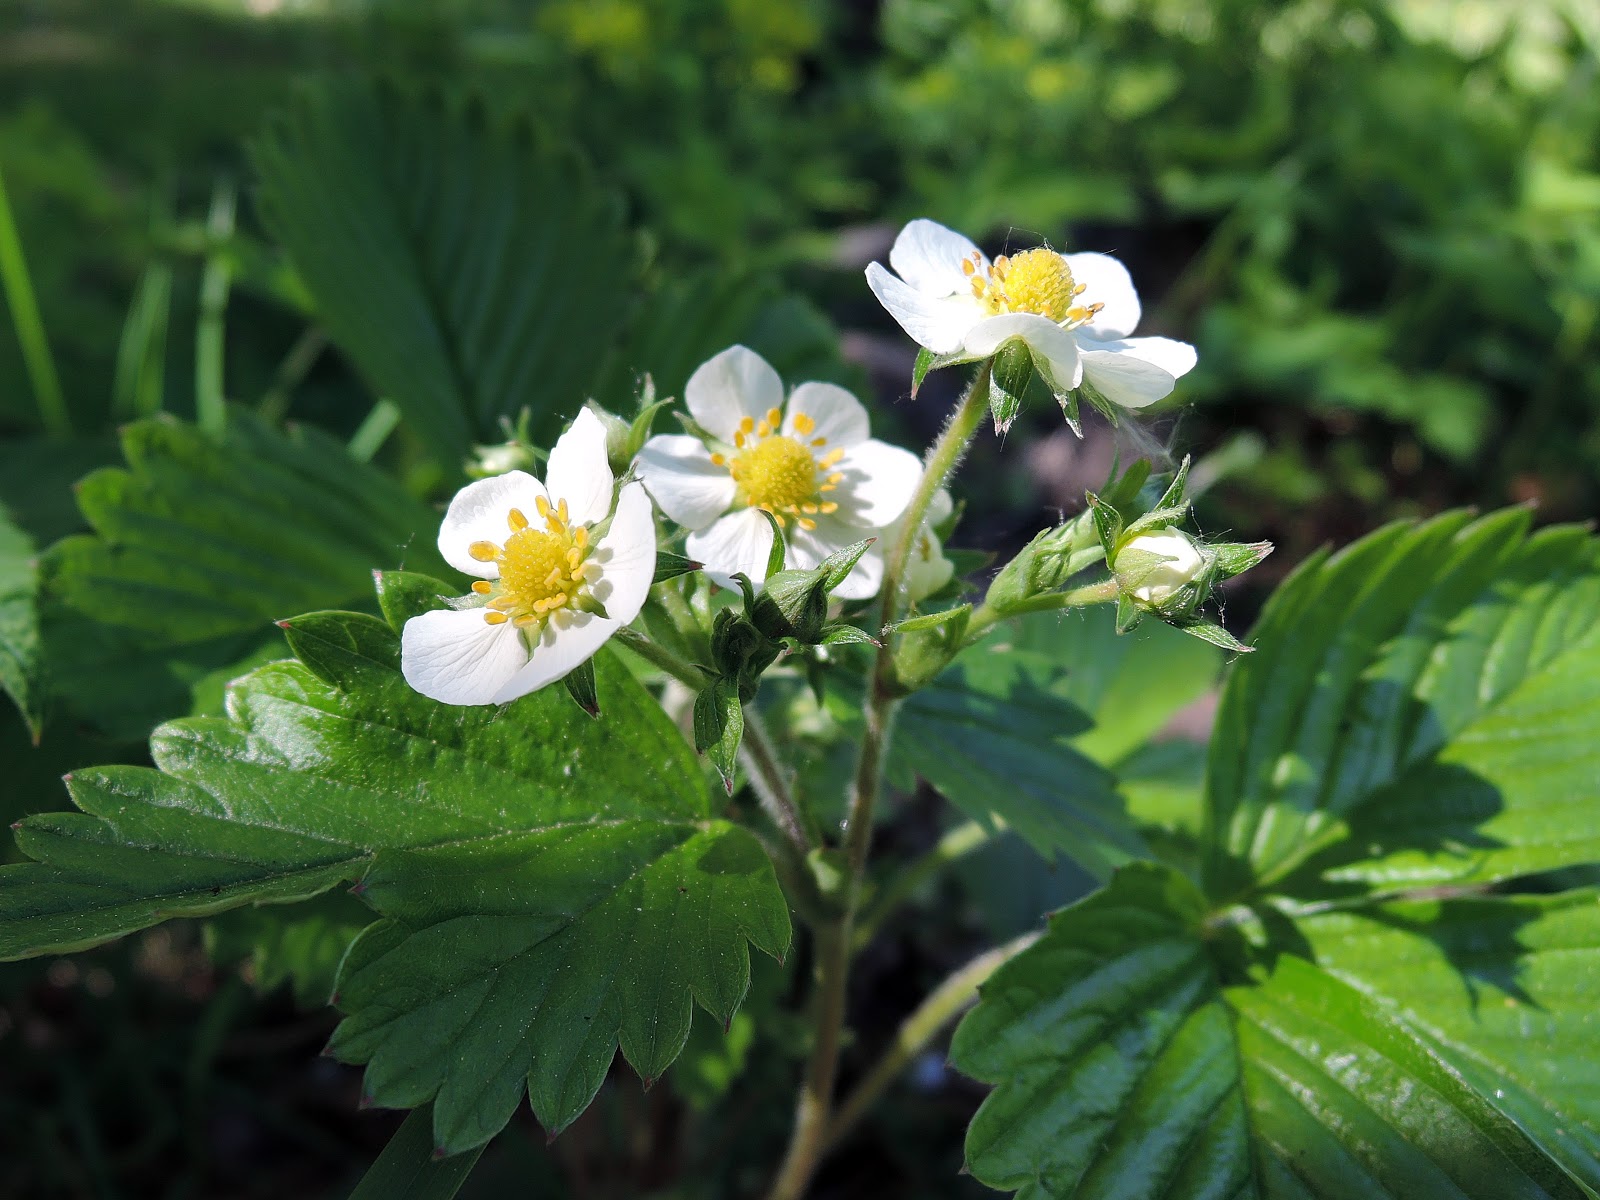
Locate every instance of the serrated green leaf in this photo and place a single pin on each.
(1127, 1069)
(199, 544)
(1419, 710)
(440, 257)
(528, 832)
(1007, 707)
(719, 727)
(1504, 986)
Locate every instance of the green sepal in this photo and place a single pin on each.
(719, 728)
(1008, 380)
(1129, 614)
(1210, 631)
(580, 685)
(670, 566)
(933, 620)
(740, 652)
(844, 634)
(1235, 558)
(1107, 523)
(406, 594)
(1069, 410)
(927, 361)
(776, 555)
(922, 654)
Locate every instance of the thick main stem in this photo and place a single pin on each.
(813, 1111)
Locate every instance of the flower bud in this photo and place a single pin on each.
(620, 447)
(489, 461)
(1174, 563)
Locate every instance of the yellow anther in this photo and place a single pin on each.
(580, 537)
(774, 417)
(543, 505)
(738, 439)
(495, 617)
(516, 520)
(831, 457)
(819, 441)
(565, 516)
(747, 425)
(808, 509)
(1035, 281)
(969, 266)
(523, 621)
(483, 587)
(803, 424)
(807, 523)
(484, 551)
(718, 460)
(836, 477)
(763, 429)
(828, 506)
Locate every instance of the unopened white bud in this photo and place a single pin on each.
(1183, 563)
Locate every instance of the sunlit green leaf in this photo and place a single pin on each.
(469, 265)
(1420, 710)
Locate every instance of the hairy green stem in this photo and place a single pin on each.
(834, 942)
(658, 655)
(1104, 592)
(25, 319)
(943, 1005)
(770, 781)
(957, 843)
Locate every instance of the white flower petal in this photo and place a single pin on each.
(579, 473)
(839, 416)
(478, 514)
(456, 657)
(940, 324)
(877, 484)
(569, 640)
(808, 547)
(1106, 281)
(735, 384)
(739, 542)
(928, 257)
(1055, 349)
(1126, 379)
(689, 487)
(939, 508)
(928, 570)
(627, 556)
(1172, 356)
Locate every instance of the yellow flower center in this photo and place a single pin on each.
(542, 571)
(785, 474)
(1035, 281)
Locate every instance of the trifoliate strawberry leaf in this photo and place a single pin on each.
(441, 258)
(563, 872)
(199, 544)
(1420, 710)
(1141, 1051)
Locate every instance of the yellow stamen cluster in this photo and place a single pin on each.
(1035, 281)
(542, 571)
(786, 475)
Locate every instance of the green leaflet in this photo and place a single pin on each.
(1419, 709)
(19, 626)
(199, 544)
(1127, 1069)
(1002, 706)
(528, 857)
(444, 259)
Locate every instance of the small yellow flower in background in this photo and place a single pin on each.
(807, 460)
(1074, 312)
(560, 572)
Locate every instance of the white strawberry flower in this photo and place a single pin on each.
(807, 460)
(1075, 312)
(559, 573)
